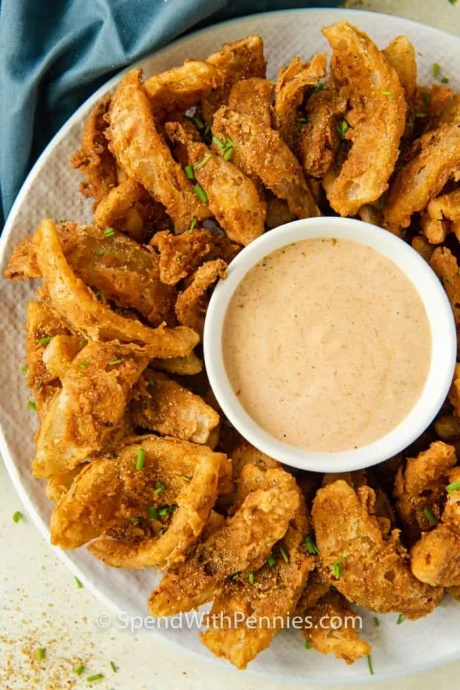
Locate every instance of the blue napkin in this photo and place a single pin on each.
(55, 53)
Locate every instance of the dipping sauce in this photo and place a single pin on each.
(327, 344)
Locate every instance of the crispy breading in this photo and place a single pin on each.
(319, 139)
(400, 54)
(181, 255)
(327, 637)
(192, 303)
(253, 97)
(242, 544)
(433, 159)
(58, 484)
(423, 247)
(232, 196)
(75, 301)
(60, 353)
(94, 159)
(42, 323)
(22, 264)
(240, 60)
(267, 597)
(441, 217)
(266, 155)
(161, 404)
(369, 570)
(90, 406)
(376, 118)
(292, 85)
(143, 153)
(445, 265)
(420, 489)
(449, 106)
(454, 393)
(184, 366)
(315, 588)
(178, 89)
(114, 498)
(278, 212)
(435, 559)
(246, 454)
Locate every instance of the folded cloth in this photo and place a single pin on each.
(55, 53)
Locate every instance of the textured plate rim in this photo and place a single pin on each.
(7, 457)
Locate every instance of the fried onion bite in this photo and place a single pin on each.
(243, 544)
(192, 303)
(366, 568)
(144, 507)
(376, 118)
(400, 55)
(445, 265)
(441, 217)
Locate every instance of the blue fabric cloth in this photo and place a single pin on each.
(55, 53)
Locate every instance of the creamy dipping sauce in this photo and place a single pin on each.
(327, 344)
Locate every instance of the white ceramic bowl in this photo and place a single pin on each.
(440, 318)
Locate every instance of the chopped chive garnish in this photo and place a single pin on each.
(436, 69)
(376, 622)
(199, 191)
(426, 98)
(160, 488)
(152, 383)
(430, 517)
(25, 367)
(445, 80)
(185, 478)
(81, 344)
(162, 531)
(310, 546)
(342, 128)
(97, 676)
(218, 142)
(271, 560)
(189, 172)
(302, 120)
(135, 519)
(84, 364)
(308, 645)
(114, 668)
(103, 252)
(79, 670)
(390, 94)
(79, 583)
(452, 2)
(455, 486)
(319, 87)
(369, 663)
(41, 653)
(419, 114)
(336, 568)
(401, 618)
(45, 341)
(17, 516)
(153, 513)
(236, 576)
(140, 459)
(201, 164)
(284, 555)
(31, 405)
(193, 225)
(228, 154)
(166, 510)
(114, 362)
(108, 232)
(251, 578)
(197, 121)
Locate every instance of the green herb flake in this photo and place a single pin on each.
(185, 478)
(310, 546)
(140, 459)
(189, 172)
(370, 664)
(114, 362)
(284, 555)
(302, 120)
(79, 670)
(79, 583)
(17, 516)
(97, 676)
(308, 645)
(193, 225)
(166, 510)
(103, 252)
(41, 653)
(25, 367)
(81, 344)
(376, 622)
(319, 87)
(390, 94)
(436, 69)
(426, 98)
(152, 383)
(342, 128)
(197, 121)
(430, 517)
(420, 114)
(452, 2)
(271, 560)
(228, 154)
(445, 80)
(135, 519)
(218, 142)
(45, 341)
(401, 618)
(113, 667)
(31, 405)
(201, 164)
(336, 568)
(160, 488)
(235, 576)
(251, 578)
(153, 513)
(162, 531)
(201, 194)
(83, 365)
(455, 486)
(109, 232)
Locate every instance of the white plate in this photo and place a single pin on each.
(51, 189)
